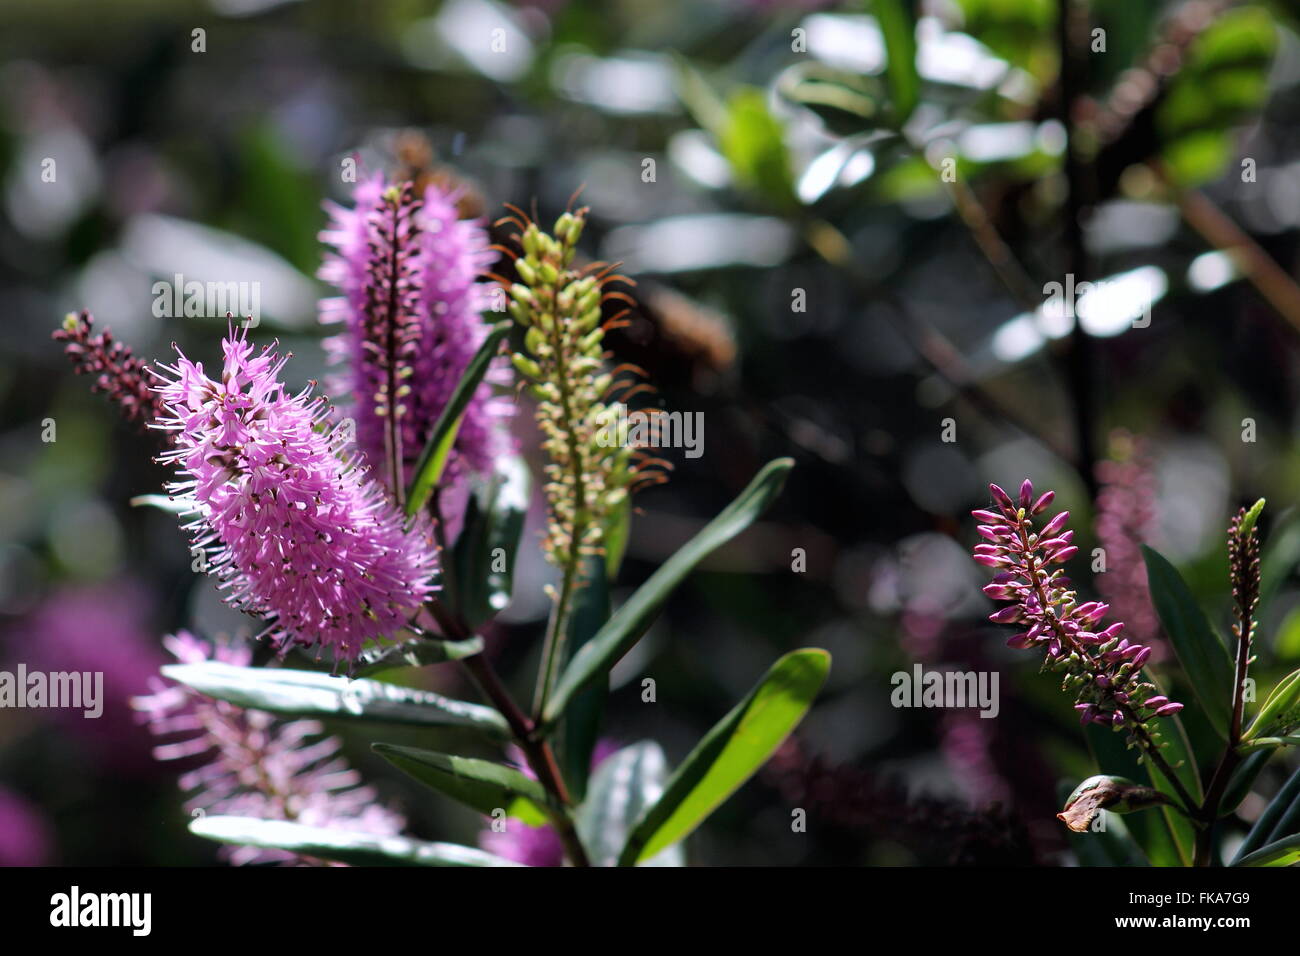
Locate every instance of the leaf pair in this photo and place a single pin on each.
(634, 812)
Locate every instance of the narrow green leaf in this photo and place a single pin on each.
(623, 787)
(314, 694)
(428, 469)
(730, 753)
(418, 653)
(1242, 779)
(898, 24)
(1279, 555)
(633, 619)
(343, 846)
(698, 96)
(1270, 825)
(1280, 713)
(580, 726)
(484, 554)
(1199, 650)
(480, 784)
(847, 102)
(753, 141)
(1279, 853)
(617, 528)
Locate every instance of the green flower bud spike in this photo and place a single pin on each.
(592, 467)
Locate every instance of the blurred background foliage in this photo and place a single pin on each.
(773, 176)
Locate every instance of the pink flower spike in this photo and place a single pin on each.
(295, 531)
(1041, 504)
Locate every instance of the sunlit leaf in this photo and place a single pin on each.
(633, 619)
(314, 694)
(342, 846)
(730, 753)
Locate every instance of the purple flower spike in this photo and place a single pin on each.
(295, 532)
(248, 763)
(416, 253)
(1101, 667)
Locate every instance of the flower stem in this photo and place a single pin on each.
(538, 753)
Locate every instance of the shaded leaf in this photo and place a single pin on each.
(898, 24)
(1201, 653)
(433, 459)
(1272, 824)
(416, 653)
(580, 726)
(479, 784)
(1279, 853)
(1242, 779)
(846, 102)
(753, 141)
(623, 787)
(484, 554)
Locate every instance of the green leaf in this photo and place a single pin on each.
(730, 753)
(1242, 779)
(480, 784)
(699, 97)
(845, 101)
(314, 694)
(580, 726)
(753, 141)
(418, 653)
(617, 528)
(1281, 818)
(428, 469)
(1222, 83)
(623, 787)
(1279, 853)
(633, 619)
(1278, 560)
(898, 24)
(343, 846)
(484, 554)
(1199, 649)
(1280, 713)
